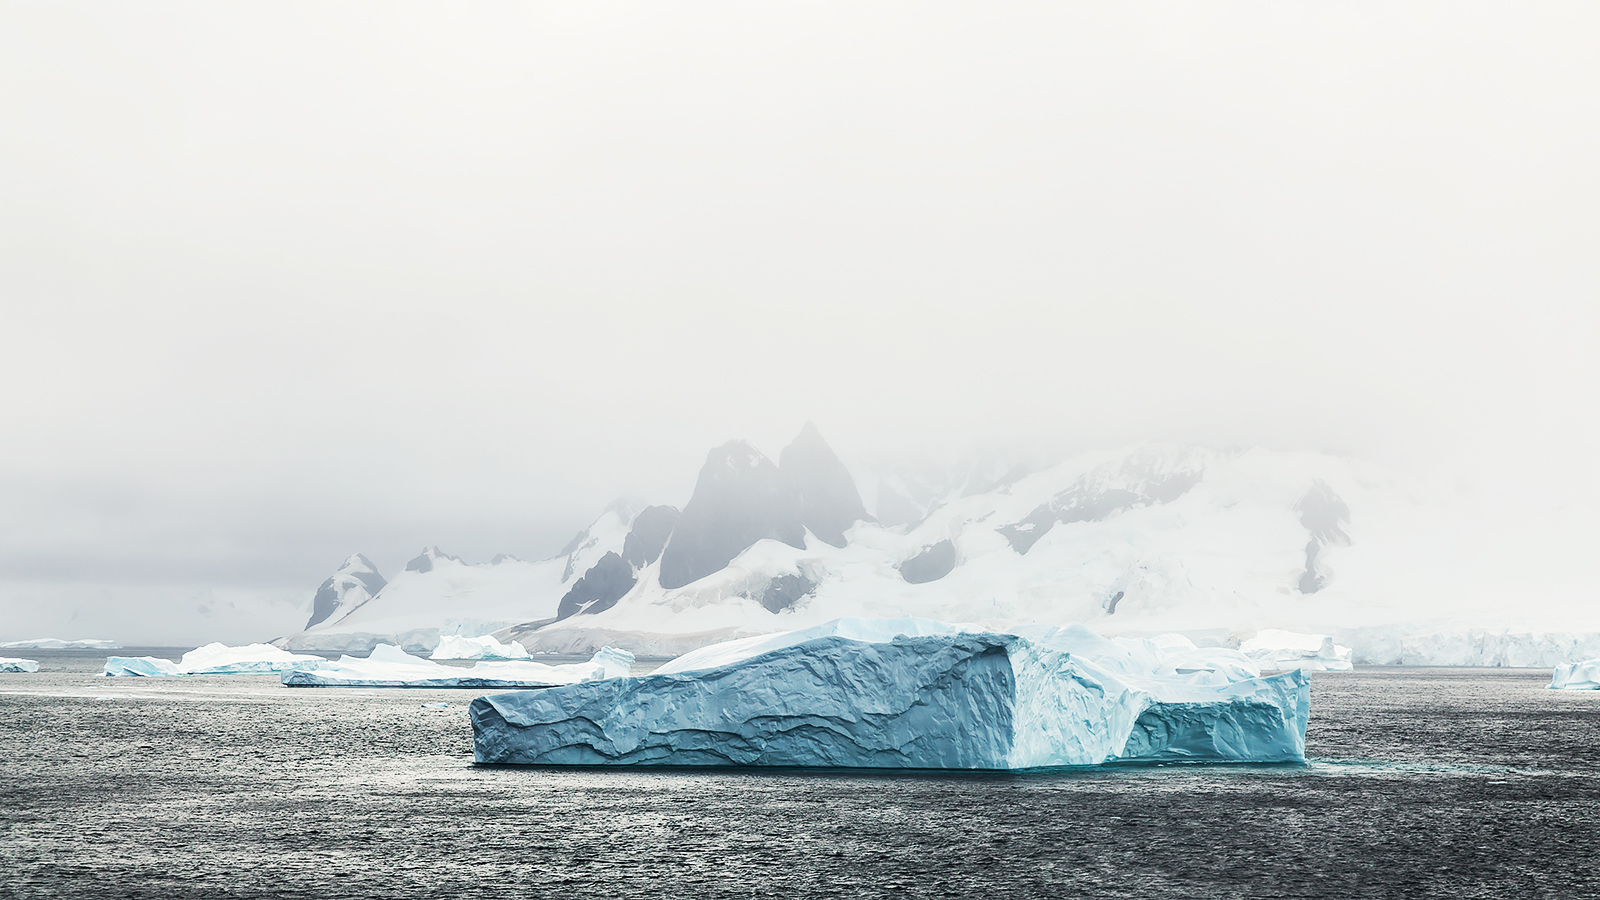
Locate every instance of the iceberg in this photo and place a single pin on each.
(1579, 676)
(946, 699)
(1275, 649)
(8, 664)
(213, 659)
(389, 666)
(486, 647)
(58, 644)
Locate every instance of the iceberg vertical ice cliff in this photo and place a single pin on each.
(8, 664)
(947, 700)
(1579, 676)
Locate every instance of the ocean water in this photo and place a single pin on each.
(1422, 783)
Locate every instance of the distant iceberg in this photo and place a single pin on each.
(10, 665)
(486, 647)
(928, 697)
(1275, 649)
(213, 659)
(57, 644)
(389, 666)
(1581, 676)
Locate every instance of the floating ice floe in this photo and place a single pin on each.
(1580, 676)
(8, 664)
(389, 666)
(486, 647)
(911, 694)
(1275, 649)
(213, 659)
(57, 644)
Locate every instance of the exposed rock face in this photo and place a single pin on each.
(610, 579)
(829, 501)
(740, 498)
(932, 564)
(648, 537)
(1324, 515)
(1140, 480)
(785, 591)
(424, 560)
(600, 588)
(355, 582)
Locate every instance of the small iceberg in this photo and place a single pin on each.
(10, 665)
(57, 644)
(213, 659)
(1579, 676)
(486, 647)
(909, 694)
(1274, 649)
(389, 666)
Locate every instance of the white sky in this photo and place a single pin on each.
(285, 281)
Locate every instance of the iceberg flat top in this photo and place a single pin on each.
(8, 664)
(389, 666)
(212, 659)
(486, 647)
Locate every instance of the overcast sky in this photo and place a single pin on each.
(286, 281)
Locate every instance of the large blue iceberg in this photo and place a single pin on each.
(918, 700)
(1578, 676)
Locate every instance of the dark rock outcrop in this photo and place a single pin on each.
(932, 564)
(357, 572)
(606, 582)
(785, 591)
(649, 534)
(1138, 481)
(424, 560)
(829, 501)
(740, 498)
(1324, 515)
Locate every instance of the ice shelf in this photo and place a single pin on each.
(1275, 649)
(389, 666)
(950, 700)
(1579, 676)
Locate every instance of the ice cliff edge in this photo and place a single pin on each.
(934, 701)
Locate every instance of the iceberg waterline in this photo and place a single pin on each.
(390, 666)
(12, 665)
(212, 659)
(940, 699)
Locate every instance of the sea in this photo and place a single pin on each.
(1449, 783)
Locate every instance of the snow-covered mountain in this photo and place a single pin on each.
(352, 584)
(1213, 543)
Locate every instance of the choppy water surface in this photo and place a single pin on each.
(1424, 783)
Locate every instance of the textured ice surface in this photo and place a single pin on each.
(58, 644)
(1580, 676)
(486, 647)
(389, 666)
(1275, 649)
(213, 659)
(8, 664)
(942, 700)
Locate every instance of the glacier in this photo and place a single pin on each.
(1579, 676)
(12, 665)
(1273, 648)
(943, 699)
(58, 644)
(213, 659)
(458, 647)
(390, 666)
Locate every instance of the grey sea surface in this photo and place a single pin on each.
(1421, 783)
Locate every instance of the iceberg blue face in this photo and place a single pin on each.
(942, 701)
